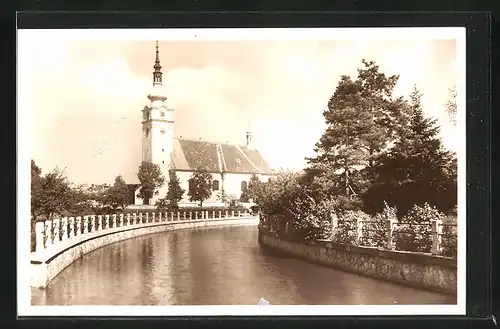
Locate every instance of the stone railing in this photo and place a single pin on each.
(386, 234)
(60, 230)
(415, 269)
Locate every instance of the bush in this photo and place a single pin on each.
(449, 237)
(345, 232)
(414, 231)
(375, 230)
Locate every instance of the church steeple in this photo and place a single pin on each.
(157, 74)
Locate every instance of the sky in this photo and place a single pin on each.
(83, 97)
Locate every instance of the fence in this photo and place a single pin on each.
(52, 232)
(433, 237)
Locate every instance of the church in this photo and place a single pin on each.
(231, 165)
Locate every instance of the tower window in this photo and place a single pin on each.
(147, 132)
(215, 185)
(163, 162)
(162, 114)
(162, 150)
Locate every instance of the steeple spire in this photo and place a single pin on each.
(157, 75)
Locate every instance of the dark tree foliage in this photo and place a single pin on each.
(150, 178)
(362, 119)
(416, 170)
(174, 193)
(117, 196)
(200, 186)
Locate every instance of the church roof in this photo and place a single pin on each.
(190, 155)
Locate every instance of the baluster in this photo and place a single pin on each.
(40, 232)
(220, 214)
(153, 217)
(147, 217)
(64, 229)
(113, 220)
(184, 215)
(56, 225)
(390, 223)
(85, 224)
(140, 218)
(127, 220)
(190, 215)
(106, 222)
(134, 218)
(196, 215)
(178, 216)
(78, 230)
(202, 214)
(99, 223)
(206, 214)
(232, 213)
(92, 223)
(359, 231)
(213, 214)
(72, 232)
(48, 233)
(436, 231)
(227, 214)
(171, 215)
(121, 220)
(159, 217)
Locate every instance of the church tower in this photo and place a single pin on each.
(157, 124)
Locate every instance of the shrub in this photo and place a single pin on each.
(449, 237)
(375, 230)
(345, 232)
(414, 231)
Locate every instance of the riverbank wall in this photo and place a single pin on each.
(423, 271)
(46, 264)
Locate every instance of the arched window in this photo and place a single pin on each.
(215, 185)
(244, 185)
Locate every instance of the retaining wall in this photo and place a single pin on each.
(45, 265)
(423, 271)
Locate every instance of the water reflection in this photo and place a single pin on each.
(213, 266)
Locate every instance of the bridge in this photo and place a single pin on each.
(62, 241)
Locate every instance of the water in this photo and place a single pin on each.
(213, 266)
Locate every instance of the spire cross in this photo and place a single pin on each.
(157, 75)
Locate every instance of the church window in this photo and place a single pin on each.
(162, 114)
(147, 132)
(162, 150)
(215, 185)
(243, 186)
(163, 162)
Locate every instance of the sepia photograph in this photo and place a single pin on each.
(241, 171)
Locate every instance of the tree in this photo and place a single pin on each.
(416, 170)
(116, 197)
(174, 193)
(51, 194)
(362, 120)
(200, 186)
(252, 190)
(150, 178)
(451, 105)
(36, 181)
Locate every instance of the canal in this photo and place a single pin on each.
(213, 266)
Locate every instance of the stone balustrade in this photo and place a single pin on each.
(50, 233)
